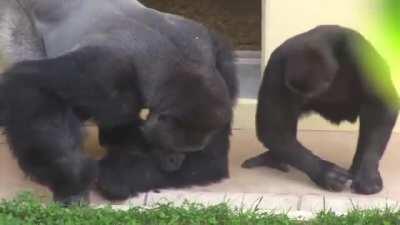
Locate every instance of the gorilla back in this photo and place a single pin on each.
(106, 61)
(19, 39)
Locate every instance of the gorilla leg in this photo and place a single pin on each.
(325, 174)
(266, 159)
(45, 136)
(376, 124)
(277, 116)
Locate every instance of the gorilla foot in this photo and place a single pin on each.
(367, 183)
(76, 199)
(266, 159)
(332, 177)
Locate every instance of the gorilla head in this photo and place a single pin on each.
(304, 66)
(176, 126)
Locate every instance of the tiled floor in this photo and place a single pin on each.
(294, 189)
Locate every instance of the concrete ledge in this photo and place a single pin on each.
(296, 207)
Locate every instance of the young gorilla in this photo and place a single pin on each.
(106, 61)
(321, 71)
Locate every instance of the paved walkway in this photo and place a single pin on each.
(262, 188)
(296, 206)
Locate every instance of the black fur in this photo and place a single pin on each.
(321, 71)
(199, 168)
(107, 61)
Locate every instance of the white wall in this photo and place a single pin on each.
(285, 18)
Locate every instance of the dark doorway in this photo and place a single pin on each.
(238, 20)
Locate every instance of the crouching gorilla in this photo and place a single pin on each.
(75, 60)
(321, 71)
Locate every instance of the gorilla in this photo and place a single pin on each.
(72, 61)
(322, 71)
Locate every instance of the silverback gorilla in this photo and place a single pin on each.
(70, 61)
(321, 71)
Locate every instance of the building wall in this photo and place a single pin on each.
(285, 18)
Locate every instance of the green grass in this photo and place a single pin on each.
(27, 210)
(383, 29)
